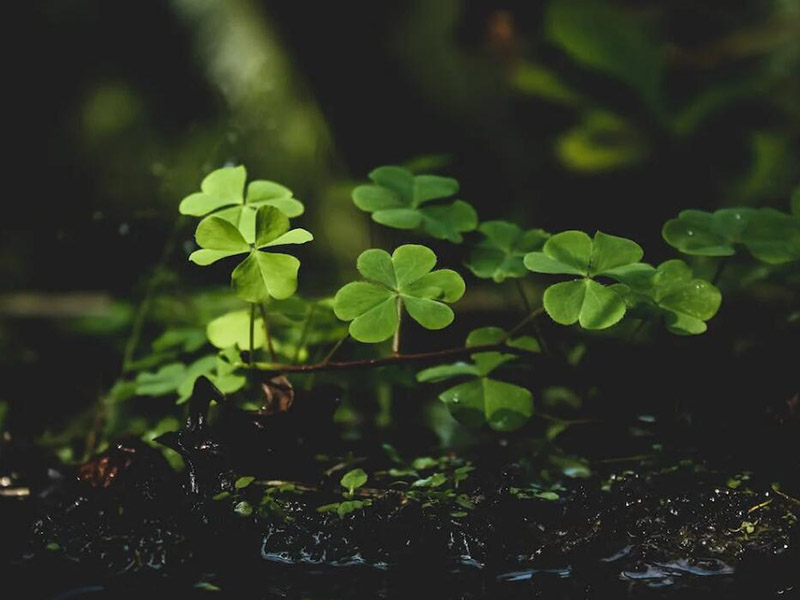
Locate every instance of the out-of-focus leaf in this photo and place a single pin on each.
(601, 37)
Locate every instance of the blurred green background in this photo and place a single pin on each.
(555, 114)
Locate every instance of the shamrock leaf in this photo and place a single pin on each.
(404, 279)
(180, 378)
(396, 198)
(224, 189)
(500, 254)
(701, 233)
(772, 236)
(481, 399)
(584, 300)
(686, 302)
(262, 274)
(233, 329)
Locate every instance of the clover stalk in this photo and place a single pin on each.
(267, 336)
(396, 339)
(251, 357)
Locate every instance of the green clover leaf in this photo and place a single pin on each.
(481, 399)
(262, 274)
(404, 279)
(772, 236)
(584, 300)
(178, 378)
(224, 189)
(500, 254)
(396, 198)
(701, 233)
(685, 301)
(233, 329)
(352, 480)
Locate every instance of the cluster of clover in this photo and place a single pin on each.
(602, 276)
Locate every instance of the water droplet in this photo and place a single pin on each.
(689, 232)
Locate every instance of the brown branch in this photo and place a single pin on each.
(329, 365)
(381, 361)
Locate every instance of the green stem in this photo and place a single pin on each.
(531, 316)
(267, 336)
(251, 359)
(396, 340)
(521, 289)
(333, 350)
(304, 335)
(721, 264)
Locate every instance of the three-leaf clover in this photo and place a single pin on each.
(404, 279)
(482, 399)
(262, 274)
(500, 254)
(686, 302)
(770, 235)
(225, 189)
(397, 196)
(584, 300)
(702, 233)
(773, 236)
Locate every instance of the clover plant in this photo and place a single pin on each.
(770, 235)
(584, 300)
(403, 280)
(500, 254)
(482, 399)
(396, 198)
(603, 282)
(223, 193)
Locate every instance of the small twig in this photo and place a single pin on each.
(328, 365)
(619, 459)
(753, 509)
(786, 496)
(382, 361)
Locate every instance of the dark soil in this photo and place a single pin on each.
(125, 524)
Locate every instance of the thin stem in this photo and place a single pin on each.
(522, 323)
(304, 335)
(250, 358)
(144, 307)
(267, 336)
(383, 361)
(104, 406)
(396, 340)
(523, 296)
(721, 264)
(328, 365)
(333, 350)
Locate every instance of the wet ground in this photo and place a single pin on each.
(126, 524)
